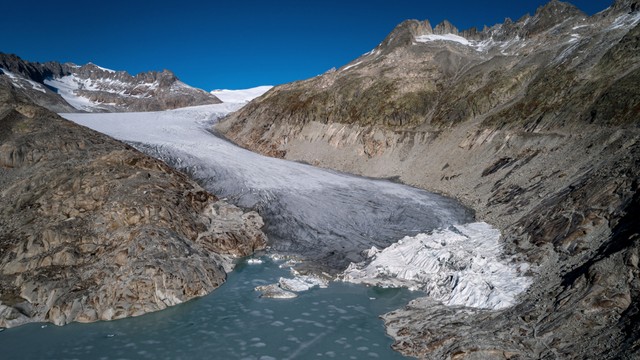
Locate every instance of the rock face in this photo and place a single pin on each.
(28, 90)
(535, 125)
(91, 229)
(95, 89)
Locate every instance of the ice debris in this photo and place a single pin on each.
(461, 266)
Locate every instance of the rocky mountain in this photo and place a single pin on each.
(71, 88)
(533, 123)
(91, 229)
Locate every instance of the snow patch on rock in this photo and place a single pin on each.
(445, 37)
(66, 87)
(19, 81)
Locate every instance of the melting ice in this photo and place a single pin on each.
(332, 218)
(461, 265)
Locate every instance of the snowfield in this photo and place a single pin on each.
(241, 96)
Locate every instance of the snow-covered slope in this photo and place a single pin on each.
(93, 88)
(30, 90)
(21, 82)
(241, 96)
(67, 86)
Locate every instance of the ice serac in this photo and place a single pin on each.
(91, 88)
(534, 124)
(91, 229)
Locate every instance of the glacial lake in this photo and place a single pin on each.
(337, 322)
(326, 217)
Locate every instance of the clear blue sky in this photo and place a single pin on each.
(230, 44)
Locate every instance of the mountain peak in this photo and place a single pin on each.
(445, 27)
(405, 33)
(91, 87)
(550, 15)
(94, 67)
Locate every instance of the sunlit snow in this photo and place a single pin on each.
(625, 21)
(351, 66)
(445, 37)
(102, 68)
(66, 87)
(480, 46)
(16, 80)
(240, 96)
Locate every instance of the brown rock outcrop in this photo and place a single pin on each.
(91, 229)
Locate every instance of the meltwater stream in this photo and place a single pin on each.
(327, 217)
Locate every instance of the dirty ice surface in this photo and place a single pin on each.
(328, 217)
(336, 220)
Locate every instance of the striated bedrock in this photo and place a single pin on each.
(91, 229)
(535, 124)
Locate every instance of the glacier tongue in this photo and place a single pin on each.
(460, 266)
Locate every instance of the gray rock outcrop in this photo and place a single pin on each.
(91, 229)
(535, 125)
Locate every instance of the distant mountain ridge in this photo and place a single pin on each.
(69, 87)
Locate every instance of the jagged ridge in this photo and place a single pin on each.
(93, 88)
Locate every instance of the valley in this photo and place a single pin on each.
(478, 190)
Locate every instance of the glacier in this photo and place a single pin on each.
(336, 220)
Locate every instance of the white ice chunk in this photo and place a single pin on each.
(301, 283)
(460, 266)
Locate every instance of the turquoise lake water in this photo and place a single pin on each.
(339, 322)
